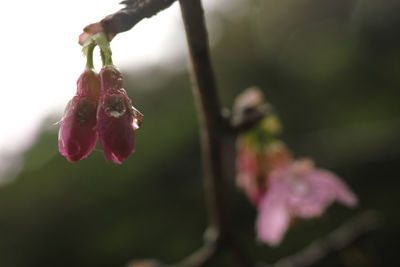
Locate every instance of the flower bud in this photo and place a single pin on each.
(88, 84)
(78, 136)
(117, 119)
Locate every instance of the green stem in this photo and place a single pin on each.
(89, 56)
(105, 51)
(106, 60)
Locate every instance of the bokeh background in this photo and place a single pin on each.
(331, 68)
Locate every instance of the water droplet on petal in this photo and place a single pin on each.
(135, 124)
(300, 188)
(137, 115)
(115, 106)
(116, 114)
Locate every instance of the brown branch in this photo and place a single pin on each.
(135, 11)
(127, 17)
(212, 127)
(208, 107)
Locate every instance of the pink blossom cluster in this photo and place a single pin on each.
(101, 109)
(283, 188)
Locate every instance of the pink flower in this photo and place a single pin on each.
(253, 165)
(297, 190)
(117, 119)
(77, 136)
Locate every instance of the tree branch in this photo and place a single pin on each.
(129, 16)
(208, 106)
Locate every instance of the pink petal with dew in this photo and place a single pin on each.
(310, 191)
(307, 197)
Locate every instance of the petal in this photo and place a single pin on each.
(273, 219)
(88, 84)
(110, 78)
(339, 190)
(306, 198)
(77, 135)
(116, 117)
(116, 134)
(320, 188)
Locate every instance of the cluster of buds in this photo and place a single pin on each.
(281, 187)
(101, 109)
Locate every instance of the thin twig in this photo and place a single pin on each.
(337, 240)
(201, 257)
(343, 236)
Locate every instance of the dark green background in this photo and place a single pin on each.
(330, 68)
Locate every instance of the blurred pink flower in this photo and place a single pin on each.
(297, 190)
(117, 119)
(253, 165)
(77, 135)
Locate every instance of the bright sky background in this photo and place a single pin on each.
(41, 59)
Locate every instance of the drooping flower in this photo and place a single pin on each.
(297, 190)
(117, 119)
(77, 135)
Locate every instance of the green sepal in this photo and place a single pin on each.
(264, 133)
